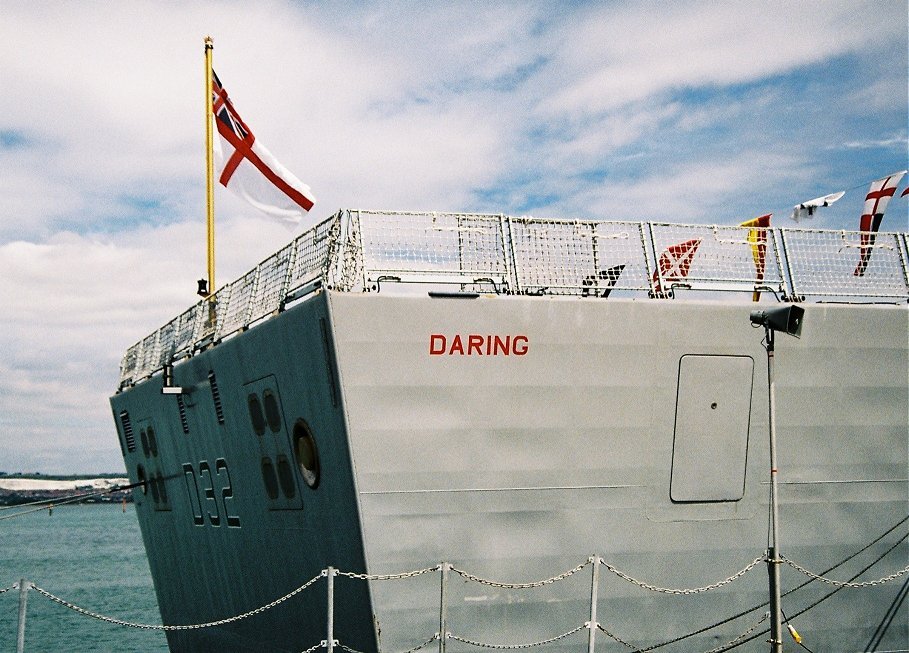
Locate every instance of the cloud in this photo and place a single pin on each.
(691, 111)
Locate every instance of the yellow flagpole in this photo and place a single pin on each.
(210, 166)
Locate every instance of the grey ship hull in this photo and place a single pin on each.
(632, 430)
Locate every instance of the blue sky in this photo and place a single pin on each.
(704, 112)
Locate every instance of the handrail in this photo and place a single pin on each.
(362, 251)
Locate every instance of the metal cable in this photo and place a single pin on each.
(210, 624)
(512, 647)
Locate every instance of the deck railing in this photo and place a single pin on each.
(365, 251)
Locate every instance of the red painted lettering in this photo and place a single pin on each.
(456, 345)
(520, 350)
(500, 346)
(436, 344)
(474, 342)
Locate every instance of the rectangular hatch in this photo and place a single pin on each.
(712, 418)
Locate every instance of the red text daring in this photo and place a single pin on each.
(475, 344)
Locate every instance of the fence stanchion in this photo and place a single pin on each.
(594, 586)
(443, 605)
(24, 586)
(330, 641)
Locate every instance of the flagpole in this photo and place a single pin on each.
(210, 167)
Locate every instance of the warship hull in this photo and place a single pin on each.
(515, 438)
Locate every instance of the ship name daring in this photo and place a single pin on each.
(478, 345)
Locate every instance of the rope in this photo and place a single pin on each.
(694, 590)
(210, 624)
(870, 583)
(521, 586)
(512, 647)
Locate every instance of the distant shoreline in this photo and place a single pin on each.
(28, 488)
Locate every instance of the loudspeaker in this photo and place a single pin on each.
(787, 319)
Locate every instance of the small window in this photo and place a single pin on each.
(143, 438)
(162, 487)
(272, 412)
(152, 441)
(306, 453)
(255, 414)
(268, 477)
(286, 477)
(140, 476)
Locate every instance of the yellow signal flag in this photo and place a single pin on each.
(757, 236)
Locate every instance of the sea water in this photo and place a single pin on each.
(89, 555)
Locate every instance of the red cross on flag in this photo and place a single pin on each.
(873, 212)
(250, 170)
(674, 264)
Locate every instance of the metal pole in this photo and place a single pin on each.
(443, 606)
(773, 556)
(594, 585)
(209, 168)
(24, 586)
(330, 642)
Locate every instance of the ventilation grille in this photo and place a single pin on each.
(128, 431)
(216, 397)
(181, 406)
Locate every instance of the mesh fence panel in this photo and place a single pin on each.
(720, 256)
(310, 254)
(433, 247)
(356, 250)
(577, 257)
(270, 284)
(233, 315)
(845, 263)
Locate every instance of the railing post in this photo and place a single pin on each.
(24, 586)
(330, 641)
(594, 586)
(443, 606)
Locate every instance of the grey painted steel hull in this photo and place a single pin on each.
(632, 430)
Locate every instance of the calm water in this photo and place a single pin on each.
(89, 555)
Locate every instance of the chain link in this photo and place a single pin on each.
(406, 574)
(687, 591)
(521, 586)
(870, 583)
(513, 647)
(718, 649)
(210, 624)
(313, 648)
(14, 586)
(620, 641)
(429, 641)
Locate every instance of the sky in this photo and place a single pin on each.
(697, 112)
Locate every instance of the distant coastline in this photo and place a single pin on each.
(21, 488)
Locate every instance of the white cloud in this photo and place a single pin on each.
(618, 110)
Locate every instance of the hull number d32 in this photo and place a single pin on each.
(210, 494)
